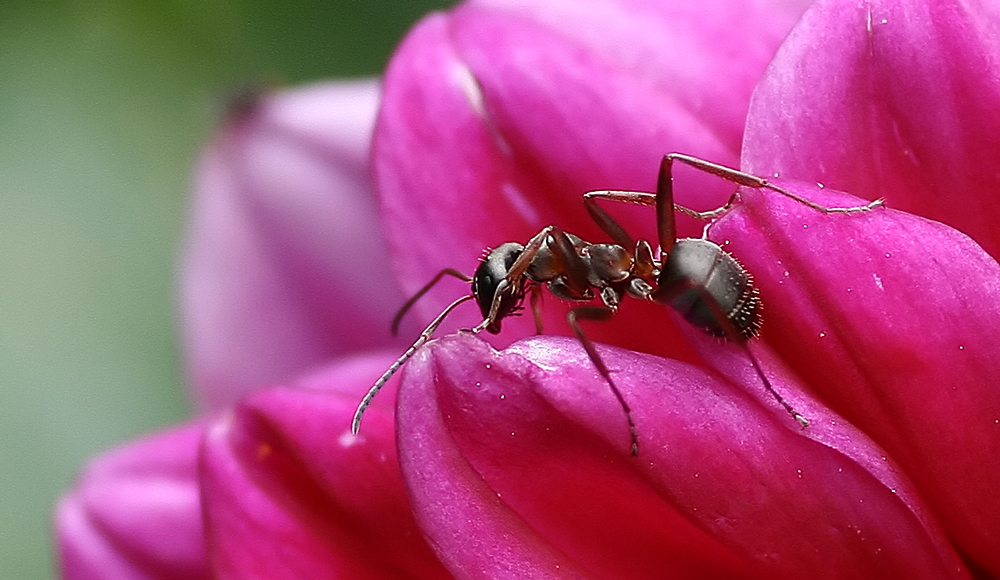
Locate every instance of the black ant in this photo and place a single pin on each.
(695, 276)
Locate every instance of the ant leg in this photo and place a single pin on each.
(749, 180)
(727, 173)
(646, 199)
(518, 270)
(604, 220)
(822, 208)
(767, 385)
(424, 337)
(611, 226)
(602, 313)
(572, 268)
(536, 307)
(521, 264)
(668, 295)
(413, 299)
(663, 200)
(734, 335)
(564, 257)
(666, 226)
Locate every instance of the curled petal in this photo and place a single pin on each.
(889, 98)
(497, 116)
(136, 514)
(518, 466)
(290, 493)
(892, 319)
(277, 273)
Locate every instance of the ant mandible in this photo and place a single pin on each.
(695, 276)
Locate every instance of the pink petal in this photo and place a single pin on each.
(278, 270)
(136, 514)
(518, 467)
(891, 318)
(497, 116)
(897, 99)
(290, 493)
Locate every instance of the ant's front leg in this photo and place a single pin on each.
(548, 255)
(508, 290)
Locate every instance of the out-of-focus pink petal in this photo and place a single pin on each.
(135, 514)
(889, 98)
(497, 116)
(518, 466)
(290, 493)
(892, 319)
(284, 266)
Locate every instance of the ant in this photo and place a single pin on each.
(695, 276)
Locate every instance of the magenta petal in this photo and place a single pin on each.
(497, 116)
(897, 99)
(277, 272)
(697, 61)
(135, 514)
(892, 319)
(518, 467)
(290, 493)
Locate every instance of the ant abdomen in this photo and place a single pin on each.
(697, 269)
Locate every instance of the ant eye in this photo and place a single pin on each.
(493, 270)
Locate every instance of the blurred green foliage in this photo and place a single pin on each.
(103, 106)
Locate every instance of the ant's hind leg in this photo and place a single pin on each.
(739, 337)
(748, 180)
(604, 220)
(615, 230)
(727, 173)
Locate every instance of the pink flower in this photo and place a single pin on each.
(290, 493)
(496, 117)
(886, 317)
(518, 464)
(283, 222)
(900, 99)
(135, 513)
(284, 237)
(893, 98)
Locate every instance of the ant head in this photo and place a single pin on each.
(494, 269)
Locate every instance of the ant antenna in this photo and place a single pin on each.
(424, 337)
(413, 299)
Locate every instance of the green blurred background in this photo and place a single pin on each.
(103, 106)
